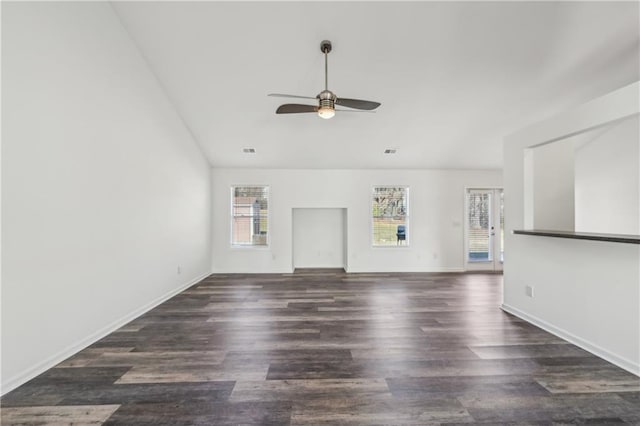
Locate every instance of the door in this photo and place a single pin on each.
(484, 229)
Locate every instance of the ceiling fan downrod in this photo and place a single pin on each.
(325, 47)
(327, 98)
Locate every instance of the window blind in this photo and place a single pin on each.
(390, 215)
(249, 215)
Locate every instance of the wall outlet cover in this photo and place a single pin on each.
(529, 290)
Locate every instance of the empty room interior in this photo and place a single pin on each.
(227, 213)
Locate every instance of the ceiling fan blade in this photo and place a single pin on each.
(282, 95)
(295, 108)
(357, 103)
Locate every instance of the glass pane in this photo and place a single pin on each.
(390, 216)
(250, 215)
(479, 205)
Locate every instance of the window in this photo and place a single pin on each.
(390, 213)
(249, 215)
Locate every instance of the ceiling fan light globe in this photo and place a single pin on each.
(326, 113)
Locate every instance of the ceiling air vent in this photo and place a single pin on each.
(390, 151)
(249, 150)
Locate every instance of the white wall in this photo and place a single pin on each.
(436, 216)
(607, 180)
(104, 192)
(318, 238)
(585, 291)
(553, 186)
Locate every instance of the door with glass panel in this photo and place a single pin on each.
(484, 229)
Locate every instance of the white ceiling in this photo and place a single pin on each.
(453, 78)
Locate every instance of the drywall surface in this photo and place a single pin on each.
(607, 180)
(436, 214)
(553, 186)
(318, 238)
(104, 192)
(585, 291)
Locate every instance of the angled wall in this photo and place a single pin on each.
(587, 292)
(104, 192)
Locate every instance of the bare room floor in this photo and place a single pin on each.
(328, 347)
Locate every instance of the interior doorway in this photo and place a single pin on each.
(319, 238)
(484, 229)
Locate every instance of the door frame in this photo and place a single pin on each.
(496, 264)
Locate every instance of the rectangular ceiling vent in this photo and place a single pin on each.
(248, 150)
(390, 151)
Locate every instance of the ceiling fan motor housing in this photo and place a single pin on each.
(327, 99)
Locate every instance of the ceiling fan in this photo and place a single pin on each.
(326, 99)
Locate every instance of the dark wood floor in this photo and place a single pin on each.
(318, 347)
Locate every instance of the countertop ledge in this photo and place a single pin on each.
(614, 238)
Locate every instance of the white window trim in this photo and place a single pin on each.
(230, 222)
(408, 219)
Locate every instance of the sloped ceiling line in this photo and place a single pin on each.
(162, 86)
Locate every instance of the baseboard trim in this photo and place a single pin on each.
(351, 270)
(253, 272)
(443, 269)
(57, 358)
(588, 346)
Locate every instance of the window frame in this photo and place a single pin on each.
(233, 245)
(407, 216)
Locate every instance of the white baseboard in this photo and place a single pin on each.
(621, 362)
(349, 270)
(417, 269)
(54, 360)
(254, 272)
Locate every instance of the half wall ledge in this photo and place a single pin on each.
(613, 238)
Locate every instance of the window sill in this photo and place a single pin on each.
(249, 247)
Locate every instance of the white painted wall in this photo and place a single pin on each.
(436, 216)
(585, 291)
(607, 180)
(104, 192)
(318, 238)
(553, 180)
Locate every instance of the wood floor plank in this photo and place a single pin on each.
(293, 355)
(412, 354)
(464, 386)
(104, 394)
(199, 413)
(58, 415)
(80, 375)
(528, 351)
(326, 347)
(83, 358)
(157, 359)
(589, 408)
(293, 390)
(589, 385)
(197, 373)
(377, 410)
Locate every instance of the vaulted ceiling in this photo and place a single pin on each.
(453, 77)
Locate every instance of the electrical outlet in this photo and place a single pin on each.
(529, 290)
